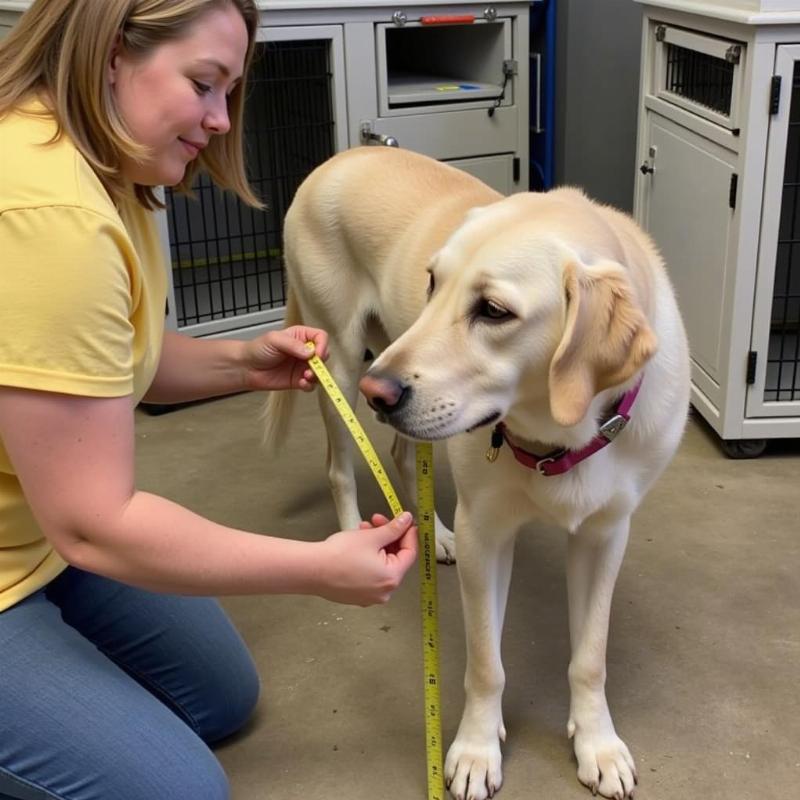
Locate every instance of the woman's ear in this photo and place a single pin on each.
(606, 338)
(113, 61)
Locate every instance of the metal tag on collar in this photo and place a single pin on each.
(494, 449)
(611, 428)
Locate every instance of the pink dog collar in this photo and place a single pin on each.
(558, 462)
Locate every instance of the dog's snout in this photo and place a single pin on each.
(385, 395)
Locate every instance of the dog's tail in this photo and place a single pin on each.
(277, 413)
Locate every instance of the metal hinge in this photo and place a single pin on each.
(661, 32)
(516, 169)
(775, 95)
(732, 191)
(752, 358)
(510, 67)
(733, 54)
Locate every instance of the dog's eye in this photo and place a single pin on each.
(431, 285)
(489, 310)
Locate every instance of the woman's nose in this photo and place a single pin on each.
(217, 119)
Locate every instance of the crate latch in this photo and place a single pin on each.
(368, 136)
(775, 94)
(752, 361)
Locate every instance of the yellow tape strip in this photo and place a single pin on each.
(427, 566)
(430, 620)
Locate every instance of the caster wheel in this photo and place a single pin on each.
(744, 448)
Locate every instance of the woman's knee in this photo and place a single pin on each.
(202, 778)
(230, 701)
(191, 774)
(189, 771)
(171, 763)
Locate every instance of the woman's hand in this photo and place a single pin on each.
(364, 567)
(278, 359)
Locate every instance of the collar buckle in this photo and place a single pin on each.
(611, 428)
(541, 462)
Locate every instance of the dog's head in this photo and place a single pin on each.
(521, 310)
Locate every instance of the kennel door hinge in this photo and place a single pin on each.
(732, 190)
(516, 169)
(775, 95)
(752, 359)
(733, 54)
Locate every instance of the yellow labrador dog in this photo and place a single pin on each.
(540, 327)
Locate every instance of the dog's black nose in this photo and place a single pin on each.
(385, 395)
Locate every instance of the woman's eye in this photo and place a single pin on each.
(490, 310)
(431, 285)
(200, 87)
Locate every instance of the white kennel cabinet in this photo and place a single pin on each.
(718, 187)
(449, 79)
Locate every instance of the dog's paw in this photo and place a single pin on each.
(445, 543)
(605, 764)
(473, 768)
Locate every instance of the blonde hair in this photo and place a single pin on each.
(61, 49)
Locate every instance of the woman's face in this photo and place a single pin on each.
(174, 99)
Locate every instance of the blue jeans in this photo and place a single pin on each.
(113, 693)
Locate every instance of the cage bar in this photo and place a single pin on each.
(700, 77)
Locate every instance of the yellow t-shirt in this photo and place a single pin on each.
(82, 302)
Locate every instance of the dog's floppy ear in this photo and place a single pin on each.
(605, 342)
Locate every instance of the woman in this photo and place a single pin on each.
(113, 678)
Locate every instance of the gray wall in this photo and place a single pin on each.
(597, 85)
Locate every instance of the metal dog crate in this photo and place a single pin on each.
(717, 186)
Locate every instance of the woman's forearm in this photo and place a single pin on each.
(159, 545)
(193, 369)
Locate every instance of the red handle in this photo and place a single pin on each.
(455, 19)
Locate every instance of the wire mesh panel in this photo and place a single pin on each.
(783, 360)
(227, 257)
(700, 77)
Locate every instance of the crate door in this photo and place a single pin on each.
(684, 204)
(776, 323)
(226, 258)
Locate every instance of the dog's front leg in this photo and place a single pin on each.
(594, 555)
(485, 547)
(404, 454)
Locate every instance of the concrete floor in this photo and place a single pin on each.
(704, 653)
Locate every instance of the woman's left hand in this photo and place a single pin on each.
(278, 359)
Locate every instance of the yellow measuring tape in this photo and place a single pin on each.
(427, 566)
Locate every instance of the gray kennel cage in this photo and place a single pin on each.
(717, 186)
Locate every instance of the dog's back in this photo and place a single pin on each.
(366, 219)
